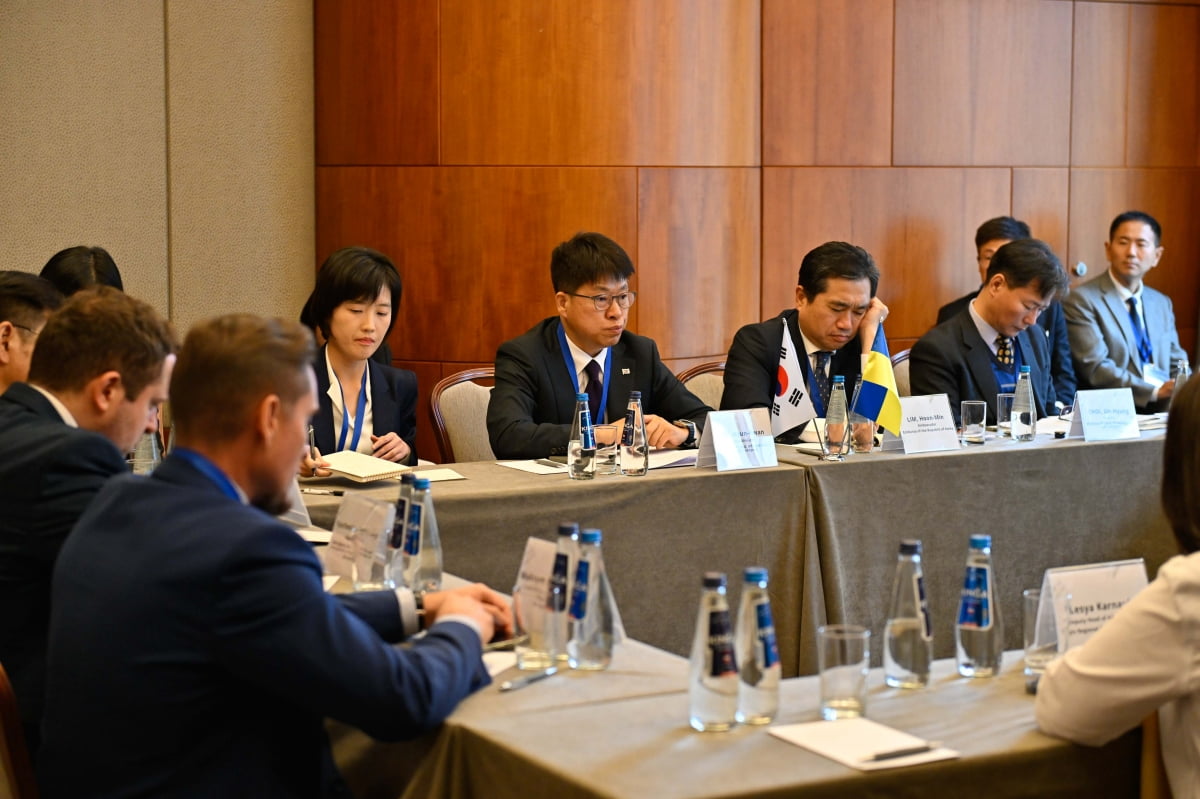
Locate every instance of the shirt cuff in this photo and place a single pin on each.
(461, 619)
(409, 620)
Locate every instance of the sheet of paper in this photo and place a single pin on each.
(536, 467)
(438, 475)
(497, 662)
(670, 458)
(853, 742)
(329, 580)
(315, 535)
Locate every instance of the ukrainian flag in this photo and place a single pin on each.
(878, 399)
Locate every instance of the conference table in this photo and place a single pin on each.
(827, 532)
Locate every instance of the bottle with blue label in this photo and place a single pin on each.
(757, 652)
(635, 451)
(592, 608)
(1024, 411)
(908, 647)
(581, 445)
(713, 672)
(422, 545)
(979, 633)
(566, 556)
(395, 544)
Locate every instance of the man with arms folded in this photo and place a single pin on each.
(193, 651)
(979, 352)
(25, 303)
(991, 236)
(831, 329)
(1122, 331)
(96, 379)
(585, 348)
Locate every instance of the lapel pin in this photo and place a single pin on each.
(624, 371)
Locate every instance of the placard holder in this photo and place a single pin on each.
(927, 424)
(357, 534)
(737, 440)
(1083, 598)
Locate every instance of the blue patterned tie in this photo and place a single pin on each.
(595, 388)
(1139, 332)
(821, 376)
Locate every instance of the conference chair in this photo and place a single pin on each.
(900, 370)
(706, 381)
(17, 780)
(459, 407)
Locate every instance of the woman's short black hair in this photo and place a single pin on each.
(77, 268)
(348, 275)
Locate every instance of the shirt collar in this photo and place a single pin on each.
(67, 417)
(335, 386)
(1123, 292)
(986, 331)
(581, 358)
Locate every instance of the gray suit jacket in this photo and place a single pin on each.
(1102, 342)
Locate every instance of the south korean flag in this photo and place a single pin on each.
(792, 405)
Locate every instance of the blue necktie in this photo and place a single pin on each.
(1139, 332)
(821, 376)
(595, 388)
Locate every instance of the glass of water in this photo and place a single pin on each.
(843, 658)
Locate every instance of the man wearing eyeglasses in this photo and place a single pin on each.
(586, 348)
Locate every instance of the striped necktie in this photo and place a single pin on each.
(1139, 332)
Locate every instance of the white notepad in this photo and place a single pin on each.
(363, 468)
(853, 742)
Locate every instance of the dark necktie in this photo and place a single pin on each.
(1004, 353)
(821, 376)
(1139, 332)
(595, 388)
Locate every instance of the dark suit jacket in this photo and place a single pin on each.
(532, 404)
(953, 359)
(752, 368)
(48, 475)
(1053, 322)
(393, 405)
(193, 652)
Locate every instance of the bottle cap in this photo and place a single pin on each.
(420, 482)
(590, 536)
(635, 395)
(407, 478)
(910, 546)
(981, 541)
(568, 528)
(755, 574)
(581, 397)
(839, 378)
(714, 579)
(1024, 370)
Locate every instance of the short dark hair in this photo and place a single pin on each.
(1001, 228)
(588, 258)
(228, 364)
(1136, 216)
(26, 298)
(97, 330)
(1181, 467)
(77, 268)
(349, 275)
(1029, 262)
(835, 259)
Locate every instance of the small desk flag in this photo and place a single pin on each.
(878, 399)
(792, 405)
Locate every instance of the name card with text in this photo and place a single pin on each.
(1083, 598)
(357, 536)
(737, 440)
(927, 425)
(1104, 414)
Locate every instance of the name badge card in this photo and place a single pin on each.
(1104, 414)
(927, 425)
(737, 440)
(533, 589)
(1082, 598)
(357, 535)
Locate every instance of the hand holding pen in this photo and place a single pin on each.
(312, 464)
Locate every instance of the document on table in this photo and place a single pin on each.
(439, 475)
(536, 467)
(858, 742)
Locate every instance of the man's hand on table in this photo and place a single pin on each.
(488, 608)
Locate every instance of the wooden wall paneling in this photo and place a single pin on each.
(656, 82)
(982, 83)
(698, 257)
(1098, 88)
(1163, 78)
(472, 244)
(376, 72)
(827, 82)
(428, 375)
(1040, 198)
(918, 224)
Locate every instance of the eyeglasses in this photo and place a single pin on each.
(603, 301)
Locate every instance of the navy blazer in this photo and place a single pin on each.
(48, 475)
(193, 652)
(953, 359)
(532, 404)
(751, 370)
(393, 405)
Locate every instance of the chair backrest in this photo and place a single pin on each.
(900, 370)
(459, 406)
(16, 779)
(706, 381)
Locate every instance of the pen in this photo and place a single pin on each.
(312, 443)
(555, 464)
(329, 492)
(928, 746)
(521, 682)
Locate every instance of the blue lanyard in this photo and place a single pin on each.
(566, 351)
(358, 414)
(209, 470)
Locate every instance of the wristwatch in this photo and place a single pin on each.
(419, 599)
(690, 426)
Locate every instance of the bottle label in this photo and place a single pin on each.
(412, 540)
(923, 607)
(557, 598)
(627, 430)
(396, 539)
(579, 595)
(975, 609)
(720, 645)
(587, 434)
(769, 648)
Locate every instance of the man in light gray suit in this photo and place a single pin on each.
(1122, 332)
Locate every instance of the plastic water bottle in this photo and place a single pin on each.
(757, 652)
(422, 546)
(908, 646)
(1024, 411)
(1180, 372)
(713, 687)
(565, 557)
(581, 447)
(635, 452)
(591, 644)
(395, 546)
(836, 421)
(979, 634)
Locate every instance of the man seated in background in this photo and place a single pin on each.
(193, 650)
(586, 348)
(1122, 331)
(98, 374)
(979, 352)
(991, 236)
(25, 303)
(831, 329)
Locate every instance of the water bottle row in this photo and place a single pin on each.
(586, 457)
(410, 554)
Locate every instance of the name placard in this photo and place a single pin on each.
(1083, 598)
(927, 425)
(533, 588)
(1104, 414)
(358, 535)
(737, 440)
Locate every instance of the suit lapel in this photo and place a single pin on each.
(322, 421)
(1120, 314)
(383, 400)
(562, 384)
(621, 381)
(979, 360)
(1029, 358)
